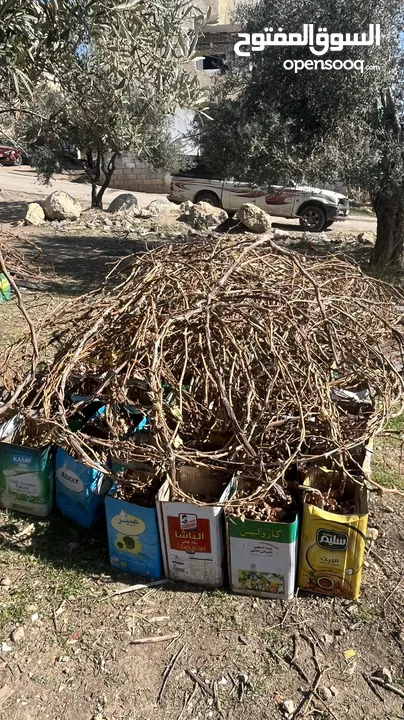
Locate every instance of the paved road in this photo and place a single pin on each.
(24, 180)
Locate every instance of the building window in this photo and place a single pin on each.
(213, 62)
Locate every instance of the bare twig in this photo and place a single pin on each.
(200, 682)
(387, 686)
(135, 588)
(154, 639)
(168, 671)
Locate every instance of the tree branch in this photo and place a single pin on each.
(23, 309)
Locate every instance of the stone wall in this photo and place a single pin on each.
(137, 175)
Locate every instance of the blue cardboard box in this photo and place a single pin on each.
(80, 490)
(133, 535)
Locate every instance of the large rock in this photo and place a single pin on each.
(255, 219)
(365, 238)
(124, 203)
(161, 205)
(61, 206)
(35, 214)
(203, 216)
(185, 207)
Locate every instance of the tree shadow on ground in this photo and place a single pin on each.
(75, 264)
(59, 542)
(12, 211)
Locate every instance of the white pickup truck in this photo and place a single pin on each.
(316, 209)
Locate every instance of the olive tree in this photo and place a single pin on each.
(274, 124)
(118, 70)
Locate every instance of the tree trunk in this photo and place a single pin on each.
(98, 166)
(108, 171)
(90, 158)
(389, 248)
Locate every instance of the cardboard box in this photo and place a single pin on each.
(192, 535)
(133, 532)
(332, 546)
(80, 490)
(26, 474)
(262, 557)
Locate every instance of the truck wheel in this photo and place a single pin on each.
(208, 197)
(312, 218)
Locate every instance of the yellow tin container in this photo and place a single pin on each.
(332, 546)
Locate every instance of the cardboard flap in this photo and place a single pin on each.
(202, 481)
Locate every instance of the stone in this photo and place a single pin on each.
(329, 639)
(5, 648)
(60, 205)
(6, 582)
(18, 634)
(34, 215)
(281, 234)
(351, 668)
(334, 690)
(384, 674)
(185, 207)
(372, 534)
(203, 216)
(161, 205)
(365, 238)
(288, 707)
(73, 546)
(124, 203)
(324, 693)
(255, 219)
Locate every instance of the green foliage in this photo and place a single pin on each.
(119, 74)
(271, 124)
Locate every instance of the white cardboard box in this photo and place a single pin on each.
(192, 535)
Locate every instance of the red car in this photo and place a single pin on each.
(10, 155)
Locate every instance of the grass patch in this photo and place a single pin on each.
(387, 465)
(367, 613)
(387, 478)
(53, 563)
(278, 645)
(221, 609)
(396, 424)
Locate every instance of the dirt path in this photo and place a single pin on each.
(23, 180)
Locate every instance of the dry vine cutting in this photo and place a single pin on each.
(230, 354)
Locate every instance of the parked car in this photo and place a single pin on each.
(315, 208)
(10, 155)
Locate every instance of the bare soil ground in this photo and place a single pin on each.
(76, 658)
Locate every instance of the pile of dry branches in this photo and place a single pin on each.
(16, 263)
(236, 352)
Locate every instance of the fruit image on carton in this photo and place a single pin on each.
(262, 557)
